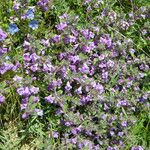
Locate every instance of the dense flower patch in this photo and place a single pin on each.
(81, 75)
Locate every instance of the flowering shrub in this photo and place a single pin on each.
(76, 78)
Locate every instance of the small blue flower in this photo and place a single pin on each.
(13, 28)
(33, 24)
(7, 58)
(30, 14)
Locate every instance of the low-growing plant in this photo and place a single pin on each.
(74, 74)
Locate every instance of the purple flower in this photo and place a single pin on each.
(23, 106)
(73, 68)
(52, 85)
(97, 147)
(68, 87)
(121, 143)
(110, 63)
(80, 145)
(2, 99)
(112, 15)
(87, 34)
(84, 68)
(50, 99)
(67, 123)
(34, 57)
(55, 134)
(120, 134)
(17, 78)
(96, 29)
(74, 59)
(89, 47)
(124, 123)
(34, 67)
(140, 100)
(59, 82)
(85, 99)
(23, 91)
(64, 16)
(142, 67)
(43, 4)
(132, 51)
(26, 44)
(124, 25)
(16, 66)
(34, 90)
(61, 26)
(36, 99)
(25, 115)
(39, 112)
(48, 67)
(69, 39)
(112, 148)
(74, 32)
(16, 6)
(105, 39)
(106, 107)
(26, 57)
(59, 111)
(102, 65)
(79, 90)
(141, 75)
(104, 116)
(23, 17)
(92, 70)
(137, 148)
(63, 72)
(45, 42)
(87, 1)
(56, 38)
(122, 103)
(100, 88)
(105, 76)
(25, 100)
(75, 131)
(3, 35)
(6, 67)
(62, 56)
(75, 46)
(73, 140)
(3, 50)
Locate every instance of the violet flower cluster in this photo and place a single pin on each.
(87, 78)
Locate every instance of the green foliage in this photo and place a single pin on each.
(36, 133)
